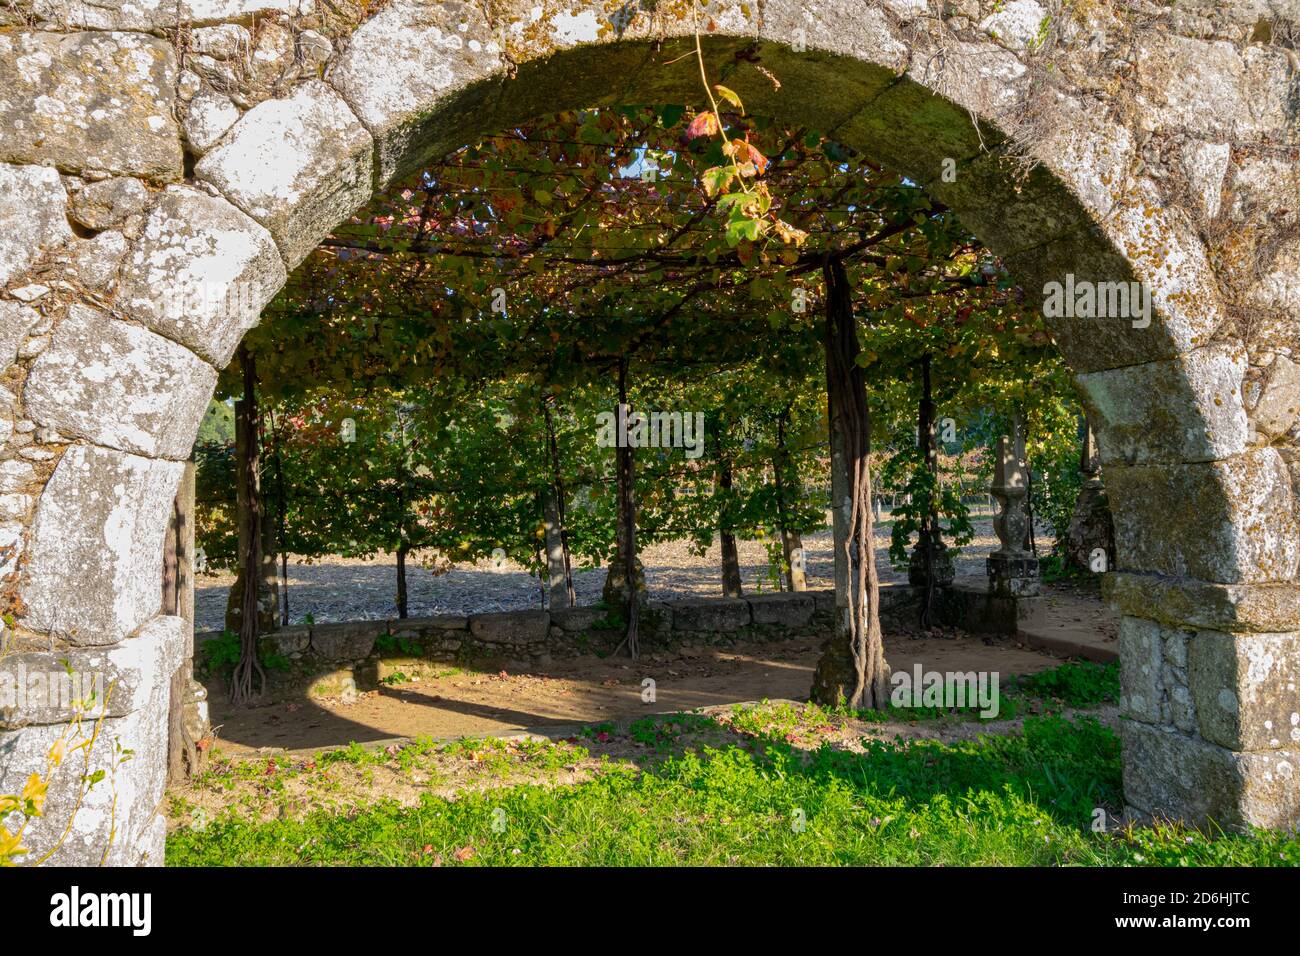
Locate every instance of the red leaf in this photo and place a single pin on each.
(464, 853)
(747, 153)
(704, 124)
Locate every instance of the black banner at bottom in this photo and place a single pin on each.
(305, 906)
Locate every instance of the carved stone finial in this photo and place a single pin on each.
(1012, 569)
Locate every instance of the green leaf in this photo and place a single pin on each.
(670, 116)
(717, 179)
(730, 199)
(739, 230)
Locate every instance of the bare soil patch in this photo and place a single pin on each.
(460, 702)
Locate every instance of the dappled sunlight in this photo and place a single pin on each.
(600, 367)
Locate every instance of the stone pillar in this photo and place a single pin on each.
(835, 667)
(104, 413)
(1012, 569)
(796, 562)
(841, 513)
(729, 551)
(1091, 528)
(1214, 716)
(1208, 547)
(268, 572)
(103, 621)
(930, 559)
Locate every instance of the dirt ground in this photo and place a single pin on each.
(584, 690)
(588, 689)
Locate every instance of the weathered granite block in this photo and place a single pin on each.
(1169, 774)
(436, 626)
(1245, 689)
(718, 615)
(160, 14)
(347, 641)
(1267, 608)
(16, 321)
(33, 220)
(825, 599)
(142, 668)
(784, 610)
(109, 202)
(1141, 674)
(576, 619)
(201, 273)
(51, 687)
(518, 627)
(95, 571)
(119, 385)
(1228, 521)
(298, 195)
(293, 641)
(1155, 411)
(656, 620)
(102, 101)
(403, 60)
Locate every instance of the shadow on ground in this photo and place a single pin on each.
(585, 690)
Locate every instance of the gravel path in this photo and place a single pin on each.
(343, 589)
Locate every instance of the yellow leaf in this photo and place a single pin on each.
(729, 96)
(34, 793)
(789, 233)
(9, 846)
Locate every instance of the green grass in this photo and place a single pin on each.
(1026, 799)
(1075, 684)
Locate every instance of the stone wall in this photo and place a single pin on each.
(328, 659)
(1216, 716)
(163, 165)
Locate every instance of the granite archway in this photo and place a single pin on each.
(155, 197)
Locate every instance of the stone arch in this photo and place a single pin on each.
(1196, 412)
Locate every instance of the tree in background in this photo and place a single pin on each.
(543, 268)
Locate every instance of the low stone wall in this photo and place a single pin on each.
(330, 659)
(976, 610)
